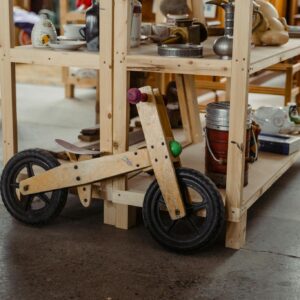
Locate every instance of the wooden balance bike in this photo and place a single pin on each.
(183, 209)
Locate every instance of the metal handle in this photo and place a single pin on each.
(219, 161)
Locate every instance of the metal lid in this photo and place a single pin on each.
(217, 116)
(181, 50)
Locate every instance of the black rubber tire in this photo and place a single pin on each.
(206, 229)
(22, 209)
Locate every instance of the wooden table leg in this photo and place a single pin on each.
(9, 114)
(8, 82)
(182, 99)
(189, 108)
(289, 83)
(69, 88)
(236, 233)
(238, 116)
(125, 215)
(106, 99)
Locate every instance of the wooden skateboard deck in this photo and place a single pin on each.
(71, 148)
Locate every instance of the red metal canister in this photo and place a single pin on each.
(217, 135)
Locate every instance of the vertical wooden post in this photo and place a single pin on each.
(289, 84)
(184, 112)
(192, 104)
(293, 11)
(198, 10)
(69, 88)
(238, 116)
(125, 215)
(298, 96)
(7, 81)
(228, 88)
(159, 17)
(189, 108)
(106, 94)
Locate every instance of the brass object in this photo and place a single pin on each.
(187, 31)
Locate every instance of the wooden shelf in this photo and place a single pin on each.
(264, 173)
(146, 58)
(30, 55)
(263, 57)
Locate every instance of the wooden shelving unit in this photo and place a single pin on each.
(245, 61)
(115, 63)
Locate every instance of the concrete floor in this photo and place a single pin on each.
(77, 257)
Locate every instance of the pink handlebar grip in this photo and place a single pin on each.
(135, 96)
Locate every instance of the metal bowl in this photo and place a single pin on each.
(181, 50)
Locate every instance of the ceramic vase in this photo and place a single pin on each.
(43, 33)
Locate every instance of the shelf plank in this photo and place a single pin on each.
(264, 173)
(263, 57)
(30, 55)
(146, 58)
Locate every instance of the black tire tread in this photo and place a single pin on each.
(53, 162)
(220, 211)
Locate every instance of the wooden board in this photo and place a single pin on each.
(86, 172)
(30, 55)
(146, 58)
(264, 173)
(239, 86)
(156, 133)
(106, 96)
(125, 215)
(263, 57)
(7, 82)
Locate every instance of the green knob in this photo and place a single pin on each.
(175, 148)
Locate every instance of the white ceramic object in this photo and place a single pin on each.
(67, 45)
(136, 23)
(43, 33)
(72, 32)
(273, 120)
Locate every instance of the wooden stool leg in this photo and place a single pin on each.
(106, 101)
(183, 108)
(9, 112)
(125, 215)
(162, 81)
(8, 82)
(69, 88)
(288, 85)
(192, 104)
(298, 96)
(98, 100)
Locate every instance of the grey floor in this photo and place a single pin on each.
(77, 257)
